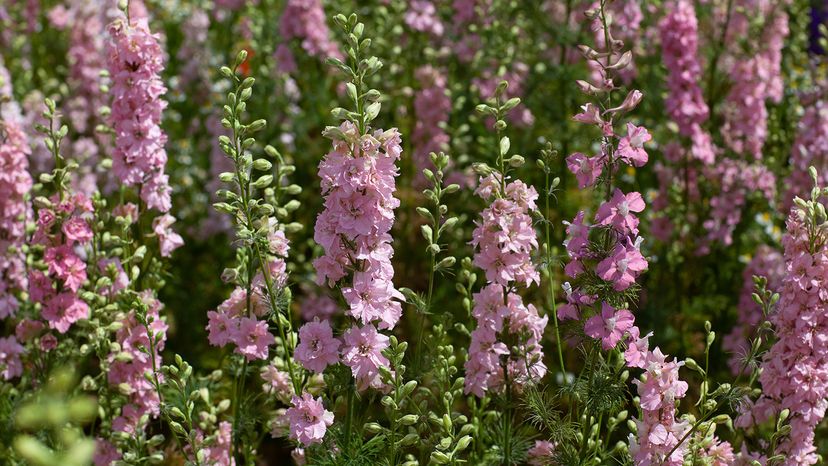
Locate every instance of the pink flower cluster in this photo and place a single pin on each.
(128, 367)
(809, 149)
(735, 180)
(685, 103)
(766, 262)
(504, 239)
(234, 323)
(62, 232)
(756, 76)
(795, 370)
(306, 20)
(135, 62)
(15, 183)
(10, 364)
(422, 16)
(86, 61)
(432, 108)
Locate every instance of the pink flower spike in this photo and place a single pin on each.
(252, 338)
(609, 326)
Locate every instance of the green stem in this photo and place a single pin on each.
(550, 271)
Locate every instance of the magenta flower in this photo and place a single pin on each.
(637, 348)
(586, 169)
(590, 115)
(541, 453)
(252, 338)
(609, 326)
(67, 266)
(618, 212)
(631, 147)
(317, 346)
(308, 419)
(623, 266)
(362, 352)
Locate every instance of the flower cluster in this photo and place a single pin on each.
(135, 63)
(305, 20)
(756, 76)
(809, 149)
(685, 104)
(15, 183)
(794, 370)
(504, 240)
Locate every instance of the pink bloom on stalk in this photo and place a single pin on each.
(10, 351)
(276, 382)
(623, 266)
(252, 338)
(317, 346)
(586, 169)
(221, 328)
(609, 326)
(168, 240)
(362, 352)
(64, 310)
(77, 230)
(618, 212)
(590, 115)
(489, 307)
(308, 418)
(27, 329)
(631, 147)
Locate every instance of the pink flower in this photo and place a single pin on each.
(638, 348)
(618, 212)
(64, 310)
(609, 326)
(541, 453)
(362, 352)
(221, 328)
(168, 240)
(276, 382)
(586, 169)
(10, 351)
(317, 347)
(48, 342)
(371, 298)
(309, 420)
(631, 147)
(252, 338)
(77, 230)
(590, 115)
(622, 266)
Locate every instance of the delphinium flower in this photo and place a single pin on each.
(541, 453)
(87, 59)
(308, 418)
(504, 240)
(794, 372)
(317, 346)
(756, 74)
(432, 108)
(318, 305)
(230, 323)
(135, 62)
(809, 149)
(624, 19)
(766, 262)
(15, 183)
(685, 103)
(358, 186)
